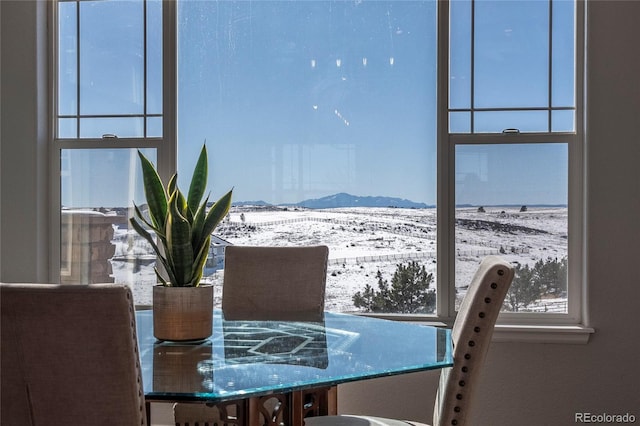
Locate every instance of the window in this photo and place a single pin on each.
(321, 116)
(412, 137)
(109, 69)
(108, 104)
(513, 115)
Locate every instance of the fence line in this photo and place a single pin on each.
(382, 258)
(402, 257)
(377, 226)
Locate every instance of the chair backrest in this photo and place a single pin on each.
(69, 356)
(274, 283)
(471, 337)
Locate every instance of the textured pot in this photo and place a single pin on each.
(182, 313)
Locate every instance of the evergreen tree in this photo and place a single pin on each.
(409, 292)
(524, 289)
(552, 275)
(546, 277)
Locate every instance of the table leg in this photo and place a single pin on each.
(233, 412)
(270, 410)
(313, 402)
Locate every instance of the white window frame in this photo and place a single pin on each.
(570, 327)
(532, 327)
(165, 146)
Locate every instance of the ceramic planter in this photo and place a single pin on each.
(182, 313)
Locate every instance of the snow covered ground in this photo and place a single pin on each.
(362, 241)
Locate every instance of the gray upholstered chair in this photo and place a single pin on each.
(264, 284)
(274, 283)
(70, 356)
(471, 337)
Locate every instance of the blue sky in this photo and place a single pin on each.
(304, 99)
(311, 98)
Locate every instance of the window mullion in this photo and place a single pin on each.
(53, 151)
(167, 152)
(78, 22)
(550, 68)
(472, 67)
(110, 143)
(577, 306)
(445, 307)
(507, 138)
(144, 67)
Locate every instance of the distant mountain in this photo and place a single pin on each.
(250, 203)
(347, 200)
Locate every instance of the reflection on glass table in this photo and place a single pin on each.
(252, 358)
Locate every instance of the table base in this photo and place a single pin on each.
(269, 410)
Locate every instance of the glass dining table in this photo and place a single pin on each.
(256, 371)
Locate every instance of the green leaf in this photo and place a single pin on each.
(145, 221)
(172, 186)
(161, 278)
(198, 181)
(154, 192)
(200, 260)
(180, 253)
(183, 208)
(145, 234)
(217, 212)
(198, 224)
(159, 255)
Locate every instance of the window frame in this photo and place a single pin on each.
(568, 327)
(447, 142)
(165, 146)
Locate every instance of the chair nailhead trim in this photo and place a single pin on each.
(465, 369)
(481, 314)
(494, 285)
(461, 383)
(487, 300)
(476, 329)
(500, 272)
(459, 396)
(467, 356)
(472, 343)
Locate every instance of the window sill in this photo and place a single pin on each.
(538, 333)
(563, 334)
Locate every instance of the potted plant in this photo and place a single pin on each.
(182, 307)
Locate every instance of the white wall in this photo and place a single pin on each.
(23, 140)
(524, 384)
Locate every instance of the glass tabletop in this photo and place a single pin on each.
(252, 358)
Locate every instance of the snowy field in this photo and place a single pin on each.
(362, 241)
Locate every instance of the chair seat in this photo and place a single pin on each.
(347, 420)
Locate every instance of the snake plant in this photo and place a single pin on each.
(183, 226)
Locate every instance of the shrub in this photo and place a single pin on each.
(409, 292)
(546, 277)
